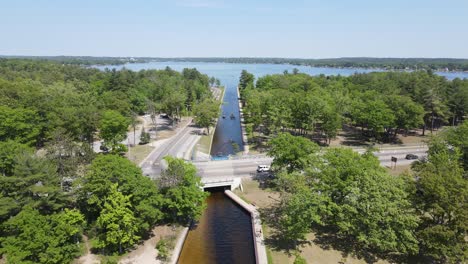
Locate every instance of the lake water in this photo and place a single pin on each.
(228, 130)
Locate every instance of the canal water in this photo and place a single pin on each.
(223, 235)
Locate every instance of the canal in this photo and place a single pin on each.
(223, 235)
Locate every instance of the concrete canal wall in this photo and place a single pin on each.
(259, 243)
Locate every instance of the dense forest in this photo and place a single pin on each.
(442, 64)
(349, 199)
(54, 188)
(381, 105)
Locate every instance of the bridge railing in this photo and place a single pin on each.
(231, 157)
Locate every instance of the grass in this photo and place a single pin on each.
(204, 143)
(139, 152)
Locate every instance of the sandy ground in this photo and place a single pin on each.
(88, 258)
(146, 252)
(312, 252)
(350, 136)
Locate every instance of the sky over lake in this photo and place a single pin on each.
(241, 28)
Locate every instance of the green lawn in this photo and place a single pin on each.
(138, 153)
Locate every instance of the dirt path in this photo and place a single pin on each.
(147, 253)
(88, 258)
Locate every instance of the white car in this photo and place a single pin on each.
(263, 168)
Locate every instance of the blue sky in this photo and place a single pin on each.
(238, 28)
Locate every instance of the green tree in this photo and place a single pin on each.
(299, 211)
(144, 137)
(246, 79)
(292, 153)
(19, 124)
(366, 204)
(408, 114)
(113, 129)
(9, 151)
(352, 194)
(206, 113)
(117, 224)
(107, 170)
(30, 237)
(458, 137)
(441, 200)
(181, 187)
(34, 182)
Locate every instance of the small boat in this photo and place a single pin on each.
(232, 116)
(224, 116)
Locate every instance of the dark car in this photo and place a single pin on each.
(103, 148)
(411, 157)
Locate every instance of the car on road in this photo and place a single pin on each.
(263, 168)
(411, 157)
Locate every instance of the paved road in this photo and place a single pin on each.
(247, 167)
(177, 146)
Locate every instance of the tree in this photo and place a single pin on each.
(299, 211)
(441, 199)
(9, 151)
(144, 137)
(134, 123)
(375, 115)
(30, 237)
(113, 129)
(19, 124)
(292, 153)
(34, 182)
(206, 113)
(117, 224)
(366, 203)
(68, 156)
(246, 79)
(107, 170)
(458, 137)
(181, 187)
(408, 114)
(331, 122)
(352, 194)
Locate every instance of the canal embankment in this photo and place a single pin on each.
(178, 246)
(259, 241)
(242, 123)
(202, 149)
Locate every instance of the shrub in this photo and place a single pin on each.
(163, 252)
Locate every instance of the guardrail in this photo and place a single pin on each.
(232, 157)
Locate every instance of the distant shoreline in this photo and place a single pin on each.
(368, 63)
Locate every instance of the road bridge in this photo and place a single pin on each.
(243, 166)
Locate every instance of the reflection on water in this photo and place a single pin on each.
(223, 235)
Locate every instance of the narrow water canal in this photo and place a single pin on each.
(223, 235)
